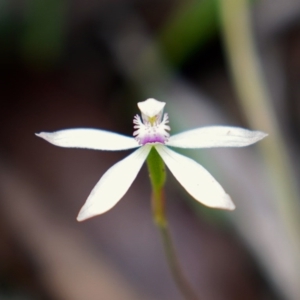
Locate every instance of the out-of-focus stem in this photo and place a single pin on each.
(255, 100)
(157, 176)
(159, 216)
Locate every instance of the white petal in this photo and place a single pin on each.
(198, 182)
(151, 107)
(113, 184)
(215, 136)
(89, 138)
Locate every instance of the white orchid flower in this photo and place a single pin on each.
(152, 131)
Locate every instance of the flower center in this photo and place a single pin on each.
(151, 129)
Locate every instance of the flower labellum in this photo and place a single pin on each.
(152, 131)
(153, 128)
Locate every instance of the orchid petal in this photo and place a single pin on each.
(89, 138)
(215, 136)
(197, 181)
(113, 184)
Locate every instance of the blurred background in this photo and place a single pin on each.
(70, 64)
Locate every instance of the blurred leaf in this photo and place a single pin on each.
(8, 29)
(190, 27)
(42, 41)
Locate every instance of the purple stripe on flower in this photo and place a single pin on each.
(152, 139)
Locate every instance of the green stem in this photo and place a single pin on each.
(158, 176)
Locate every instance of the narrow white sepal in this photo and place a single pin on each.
(90, 139)
(113, 184)
(215, 136)
(197, 181)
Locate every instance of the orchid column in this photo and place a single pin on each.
(151, 137)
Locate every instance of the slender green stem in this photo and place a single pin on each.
(162, 224)
(158, 176)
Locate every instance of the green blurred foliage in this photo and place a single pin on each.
(191, 26)
(42, 39)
